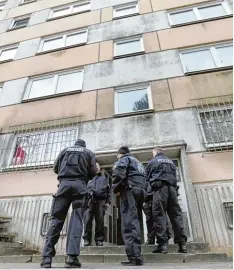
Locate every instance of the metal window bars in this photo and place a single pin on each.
(214, 118)
(36, 145)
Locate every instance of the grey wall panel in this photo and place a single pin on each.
(128, 27)
(142, 131)
(39, 17)
(3, 14)
(27, 48)
(154, 66)
(210, 199)
(5, 24)
(12, 92)
(12, 3)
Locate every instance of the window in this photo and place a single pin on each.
(54, 84)
(7, 53)
(41, 148)
(133, 99)
(130, 46)
(1, 88)
(27, 1)
(126, 10)
(217, 126)
(20, 23)
(228, 208)
(199, 13)
(2, 5)
(62, 41)
(213, 57)
(71, 9)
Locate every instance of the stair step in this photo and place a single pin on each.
(192, 248)
(6, 237)
(117, 258)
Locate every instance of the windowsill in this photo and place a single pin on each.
(208, 70)
(126, 16)
(6, 61)
(12, 29)
(27, 167)
(25, 3)
(133, 113)
(62, 48)
(128, 55)
(68, 15)
(202, 21)
(51, 96)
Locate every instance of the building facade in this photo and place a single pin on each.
(113, 72)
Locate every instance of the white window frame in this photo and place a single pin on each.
(133, 88)
(214, 55)
(197, 14)
(212, 109)
(1, 88)
(124, 6)
(42, 153)
(55, 77)
(24, 2)
(2, 5)
(6, 49)
(19, 19)
(126, 40)
(64, 37)
(70, 7)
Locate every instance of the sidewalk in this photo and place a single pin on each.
(197, 265)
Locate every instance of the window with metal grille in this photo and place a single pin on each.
(20, 23)
(228, 208)
(217, 126)
(46, 218)
(37, 145)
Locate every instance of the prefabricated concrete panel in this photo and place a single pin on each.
(154, 66)
(39, 17)
(27, 48)
(98, 4)
(128, 27)
(3, 14)
(5, 24)
(11, 4)
(13, 91)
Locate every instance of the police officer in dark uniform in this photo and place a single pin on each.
(75, 165)
(148, 210)
(129, 182)
(161, 174)
(99, 189)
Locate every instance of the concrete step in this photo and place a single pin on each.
(192, 248)
(117, 258)
(6, 237)
(12, 251)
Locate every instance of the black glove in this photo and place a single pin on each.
(156, 185)
(177, 191)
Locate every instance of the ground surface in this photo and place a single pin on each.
(197, 265)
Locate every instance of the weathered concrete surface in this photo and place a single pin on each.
(197, 265)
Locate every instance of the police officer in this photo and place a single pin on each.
(161, 174)
(75, 165)
(148, 210)
(100, 192)
(129, 182)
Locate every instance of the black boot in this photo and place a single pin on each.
(72, 262)
(136, 262)
(162, 248)
(182, 248)
(46, 262)
(150, 242)
(86, 243)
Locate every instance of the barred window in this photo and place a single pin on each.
(217, 126)
(228, 208)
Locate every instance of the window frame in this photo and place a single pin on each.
(214, 54)
(55, 77)
(226, 208)
(133, 88)
(123, 6)
(70, 7)
(206, 142)
(19, 19)
(42, 152)
(197, 14)
(2, 5)
(1, 88)
(25, 2)
(64, 36)
(126, 40)
(16, 46)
